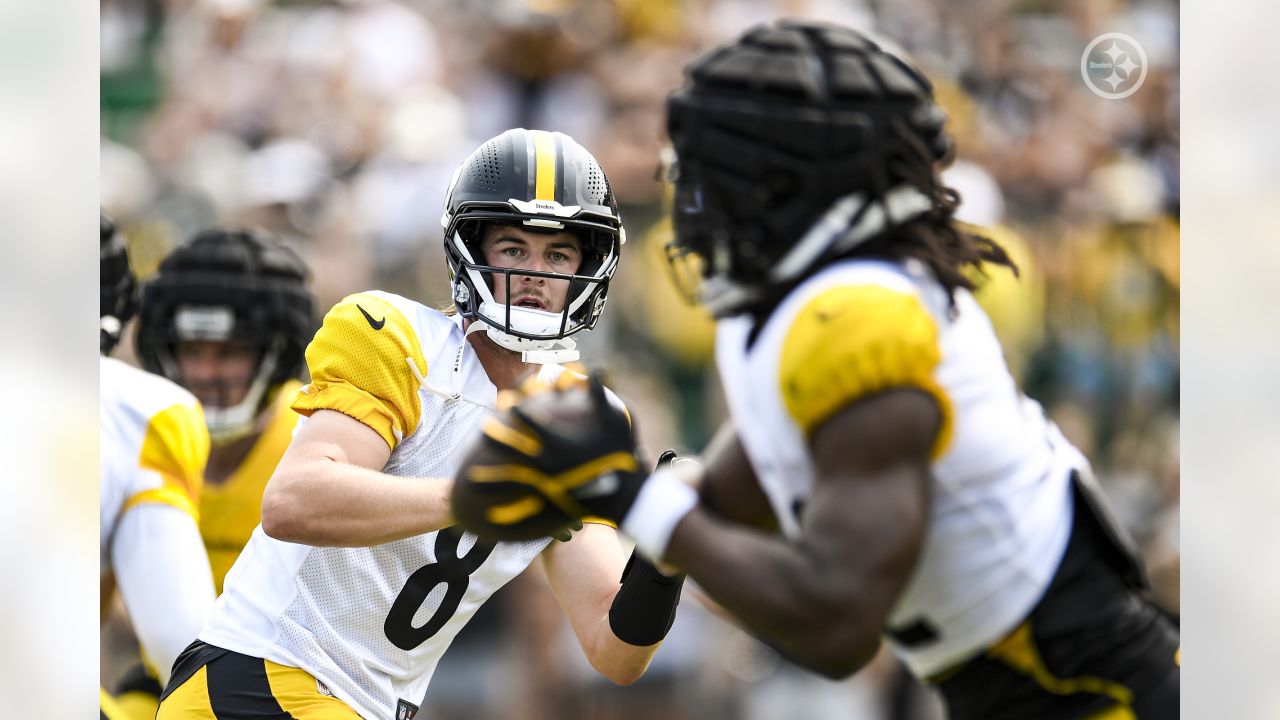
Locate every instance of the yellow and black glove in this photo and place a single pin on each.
(557, 455)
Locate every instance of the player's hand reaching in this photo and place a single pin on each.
(556, 455)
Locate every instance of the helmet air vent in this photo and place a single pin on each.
(486, 171)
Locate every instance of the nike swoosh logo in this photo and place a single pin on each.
(375, 324)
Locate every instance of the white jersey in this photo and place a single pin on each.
(1001, 511)
(153, 449)
(372, 623)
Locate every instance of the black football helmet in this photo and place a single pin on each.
(794, 144)
(223, 285)
(117, 291)
(540, 181)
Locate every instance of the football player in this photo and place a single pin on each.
(917, 495)
(356, 581)
(152, 454)
(227, 316)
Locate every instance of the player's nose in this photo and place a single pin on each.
(198, 367)
(536, 265)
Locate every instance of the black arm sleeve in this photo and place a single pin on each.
(645, 606)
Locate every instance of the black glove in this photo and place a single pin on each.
(555, 456)
(566, 534)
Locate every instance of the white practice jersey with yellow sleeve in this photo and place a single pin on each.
(372, 623)
(152, 453)
(1001, 511)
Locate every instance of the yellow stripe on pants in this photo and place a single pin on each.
(298, 694)
(190, 701)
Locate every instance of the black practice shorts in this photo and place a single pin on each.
(1094, 646)
(211, 683)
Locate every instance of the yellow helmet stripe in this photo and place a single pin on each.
(544, 148)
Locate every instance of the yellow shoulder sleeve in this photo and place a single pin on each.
(365, 362)
(176, 445)
(856, 340)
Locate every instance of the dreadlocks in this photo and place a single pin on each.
(934, 238)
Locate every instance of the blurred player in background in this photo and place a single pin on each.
(227, 317)
(355, 584)
(911, 491)
(153, 449)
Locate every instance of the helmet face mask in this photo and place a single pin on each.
(793, 144)
(488, 288)
(538, 182)
(227, 287)
(231, 405)
(219, 372)
(701, 251)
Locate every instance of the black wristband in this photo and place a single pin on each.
(645, 606)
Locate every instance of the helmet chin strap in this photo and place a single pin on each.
(535, 356)
(536, 352)
(566, 353)
(227, 425)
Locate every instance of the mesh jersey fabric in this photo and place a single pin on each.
(372, 623)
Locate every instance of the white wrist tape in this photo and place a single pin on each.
(662, 503)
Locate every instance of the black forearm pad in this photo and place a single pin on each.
(645, 606)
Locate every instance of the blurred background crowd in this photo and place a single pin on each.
(337, 125)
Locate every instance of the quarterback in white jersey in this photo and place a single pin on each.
(913, 492)
(152, 451)
(355, 583)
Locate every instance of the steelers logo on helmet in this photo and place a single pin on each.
(539, 182)
(794, 144)
(234, 286)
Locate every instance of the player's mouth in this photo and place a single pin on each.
(530, 302)
(216, 394)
